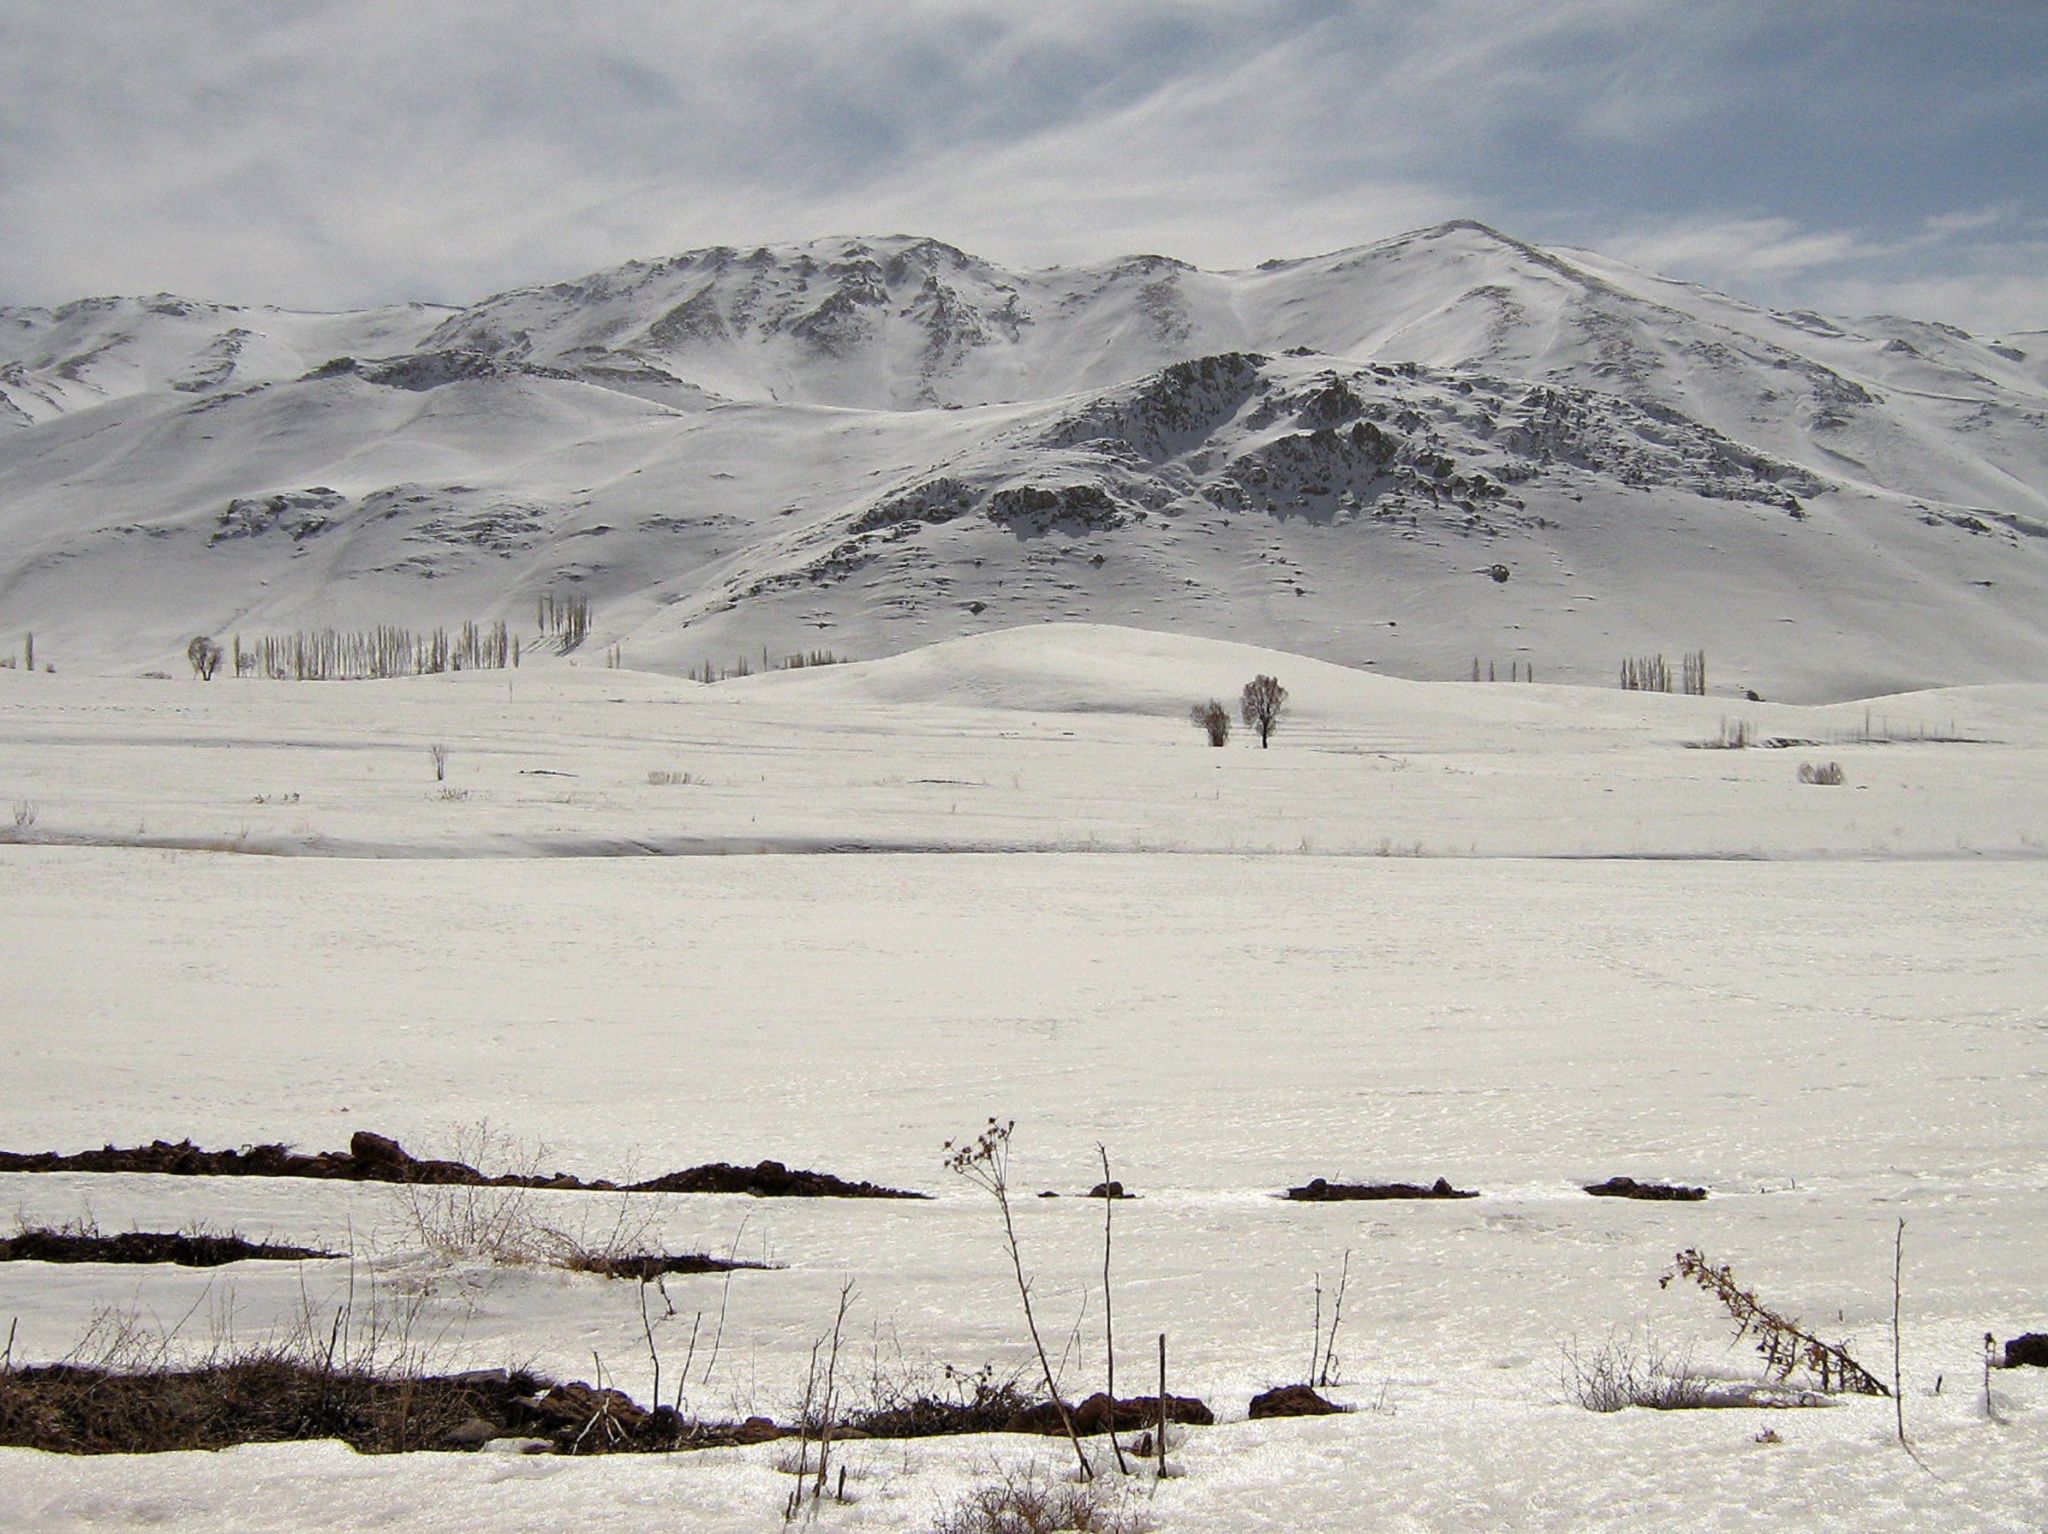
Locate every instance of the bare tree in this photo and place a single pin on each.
(1263, 699)
(1213, 720)
(204, 655)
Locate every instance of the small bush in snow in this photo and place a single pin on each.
(1213, 720)
(1615, 1376)
(1026, 1502)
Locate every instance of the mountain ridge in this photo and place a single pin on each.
(869, 443)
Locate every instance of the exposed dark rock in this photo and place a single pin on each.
(1040, 508)
(1322, 1191)
(473, 1434)
(1291, 1401)
(1628, 1187)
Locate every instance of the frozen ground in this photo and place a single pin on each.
(1597, 951)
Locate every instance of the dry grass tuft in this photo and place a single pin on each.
(1026, 1502)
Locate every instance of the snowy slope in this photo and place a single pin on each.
(870, 445)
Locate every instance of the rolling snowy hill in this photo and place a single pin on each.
(1446, 447)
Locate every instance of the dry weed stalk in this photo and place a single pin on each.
(985, 1162)
(1108, 1310)
(1784, 1344)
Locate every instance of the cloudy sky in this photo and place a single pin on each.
(1849, 155)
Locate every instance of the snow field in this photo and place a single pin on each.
(1829, 1040)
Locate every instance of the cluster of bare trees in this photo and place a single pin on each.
(1650, 673)
(1259, 705)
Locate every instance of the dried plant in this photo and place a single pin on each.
(984, 1161)
(1784, 1344)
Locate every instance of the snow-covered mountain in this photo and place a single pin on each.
(1446, 446)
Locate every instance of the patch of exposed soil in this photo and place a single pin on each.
(1628, 1187)
(71, 1409)
(2027, 1349)
(1291, 1401)
(768, 1179)
(648, 1266)
(1321, 1191)
(193, 1250)
(377, 1158)
(1098, 1413)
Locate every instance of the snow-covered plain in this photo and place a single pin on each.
(1520, 936)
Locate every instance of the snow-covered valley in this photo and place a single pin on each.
(1521, 936)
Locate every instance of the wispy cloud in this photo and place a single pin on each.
(1985, 266)
(343, 151)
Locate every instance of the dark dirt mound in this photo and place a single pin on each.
(648, 1266)
(1628, 1187)
(769, 1179)
(1320, 1191)
(186, 1250)
(1291, 1401)
(69, 1409)
(2027, 1348)
(378, 1158)
(1094, 1415)
(369, 1158)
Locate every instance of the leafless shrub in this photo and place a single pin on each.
(916, 1403)
(1827, 774)
(438, 753)
(1213, 720)
(24, 814)
(1735, 735)
(460, 1221)
(1025, 1502)
(1614, 1375)
(663, 778)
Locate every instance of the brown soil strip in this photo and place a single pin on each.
(768, 1179)
(187, 1251)
(648, 1266)
(1628, 1187)
(376, 1158)
(70, 1409)
(1320, 1191)
(1098, 1414)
